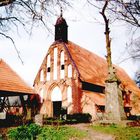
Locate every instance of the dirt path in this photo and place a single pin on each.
(92, 134)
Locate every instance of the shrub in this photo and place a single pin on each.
(24, 132)
(80, 117)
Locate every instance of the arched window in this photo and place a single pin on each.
(48, 61)
(69, 71)
(48, 68)
(56, 94)
(42, 75)
(69, 94)
(55, 64)
(62, 66)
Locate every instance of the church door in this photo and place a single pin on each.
(56, 98)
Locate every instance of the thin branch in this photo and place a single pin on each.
(93, 4)
(11, 18)
(104, 16)
(8, 37)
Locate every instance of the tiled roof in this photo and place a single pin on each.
(11, 82)
(93, 68)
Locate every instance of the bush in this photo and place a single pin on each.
(80, 117)
(24, 132)
(71, 119)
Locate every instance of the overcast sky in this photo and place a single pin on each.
(82, 30)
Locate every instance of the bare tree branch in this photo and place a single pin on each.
(107, 32)
(26, 13)
(8, 37)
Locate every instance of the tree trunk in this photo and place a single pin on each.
(114, 108)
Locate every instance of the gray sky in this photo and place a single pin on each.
(82, 30)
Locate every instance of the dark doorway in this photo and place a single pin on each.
(57, 108)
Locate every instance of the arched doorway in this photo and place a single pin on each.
(56, 98)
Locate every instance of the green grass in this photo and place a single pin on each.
(47, 132)
(60, 133)
(120, 132)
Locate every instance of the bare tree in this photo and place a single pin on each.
(107, 32)
(26, 14)
(112, 90)
(127, 11)
(133, 48)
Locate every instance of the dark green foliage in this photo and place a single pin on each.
(71, 119)
(80, 118)
(24, 132)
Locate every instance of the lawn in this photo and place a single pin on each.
(120, 132)
(47, 132)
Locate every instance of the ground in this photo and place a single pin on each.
(92, 134)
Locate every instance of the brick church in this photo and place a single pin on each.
(73, 78)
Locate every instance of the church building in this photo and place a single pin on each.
(73, 78)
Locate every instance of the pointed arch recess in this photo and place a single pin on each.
(56, 94)
(48, 68)
(69, 94)
(42, 75)
(55, 64)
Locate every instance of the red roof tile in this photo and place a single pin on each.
(93, 69)
(10, 81)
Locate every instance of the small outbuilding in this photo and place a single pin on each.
(15, 95)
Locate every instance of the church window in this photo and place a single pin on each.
(48, 69)
(62, 67)
(62, 72)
